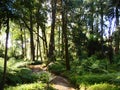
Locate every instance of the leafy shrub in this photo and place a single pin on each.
(17, 73)
(94, 65)
(34, 86)
(56, 68)
(103, 86)
(13, 64)
(43, 76)
(11, 52)
(20, 76)
(90, 79)
(13, 79)
(103, 78)
(117, 62)
(1, 52)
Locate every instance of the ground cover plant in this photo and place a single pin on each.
(18, 73)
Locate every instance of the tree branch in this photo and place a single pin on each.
(25, 24)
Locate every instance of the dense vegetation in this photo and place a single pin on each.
(77, 39)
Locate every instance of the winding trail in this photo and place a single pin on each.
(57, 82)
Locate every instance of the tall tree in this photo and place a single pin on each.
(65, 31)
(6, 57)
(6, 7)
(51, 55)
(113, 12)
(27, 16)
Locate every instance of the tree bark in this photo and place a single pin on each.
(6, 57)
(102, 22)
(117, 23)
(51, 55)
(37, 50)
(31, 38)
(22, 47)
(25, 44)
(64, 29)
(40, 52)
(44, 41)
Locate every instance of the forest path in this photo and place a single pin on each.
(58, 82)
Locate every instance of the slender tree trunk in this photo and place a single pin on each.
(92, 12)
(31, 38)
(22, 47)
(44, 41)
(102, 22)
(59, 33)
(117, 23)
(117, 16)
(64, 29)
(63, 45)
(25, 44)
(37, 51)
(40, 52)
(6, 57)
(51, 55)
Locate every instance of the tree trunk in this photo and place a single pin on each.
(59, 33)
(6, 57)
(64, 29)
(25, 44)
(37, 51)
(44, 41)
(31, 38)
(117, 23)
(51, 55)
(22, 47)
(92, 12)
(40, 52)
(102, 22)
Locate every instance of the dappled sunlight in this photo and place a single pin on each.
(59, 45)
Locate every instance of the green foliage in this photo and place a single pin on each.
(20, 76)
(117, 60)
(14, 52)
(13, 63)
(88, 71)
(17, 73)
(34, 86)
(43, 76)
(103, 86)
(56, 68)
(1, 52)
(91, 79)
(94, 65)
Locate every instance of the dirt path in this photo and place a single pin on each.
(58, 82)
(61, 83)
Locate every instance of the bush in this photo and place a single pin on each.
(17, 73)
(34, 86)
(56, 68)
(20, 76)
(103, 78)
(2, 53)
(92, 64)
(103, 86)
(43, 76)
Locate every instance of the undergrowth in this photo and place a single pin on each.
(18, 73)
(90, 71)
